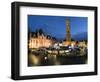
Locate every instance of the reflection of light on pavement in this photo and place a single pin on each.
(57, 63)
(55, 56)
(34, 59)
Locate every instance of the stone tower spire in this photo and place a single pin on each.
(68, 34)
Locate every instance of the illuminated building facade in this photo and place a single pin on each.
(39, 40)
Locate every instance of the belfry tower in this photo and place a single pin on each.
(68, 35)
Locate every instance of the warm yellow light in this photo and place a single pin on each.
(34, 60)
(39, 42)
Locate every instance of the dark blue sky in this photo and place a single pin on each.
(56, 25)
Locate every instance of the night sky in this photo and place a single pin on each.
(56, 25)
